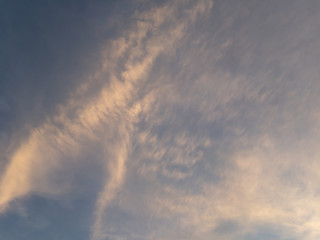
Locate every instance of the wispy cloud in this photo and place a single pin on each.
(200, 122)
(60, 140)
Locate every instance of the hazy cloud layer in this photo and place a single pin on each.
(194, 120)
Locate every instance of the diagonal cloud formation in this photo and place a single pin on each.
(107, 117)
(204, 121)
(163, 38)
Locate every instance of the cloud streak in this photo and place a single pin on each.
(60, 140)
(200, 121)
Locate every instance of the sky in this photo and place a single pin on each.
(159, 120)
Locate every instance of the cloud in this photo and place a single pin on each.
(217, 145)
(52, 149)
(161, 40)
(263, 186)
(202, 129)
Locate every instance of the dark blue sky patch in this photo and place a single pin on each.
(47, 47)
(41, 218)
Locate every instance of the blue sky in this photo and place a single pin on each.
(159, 120)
